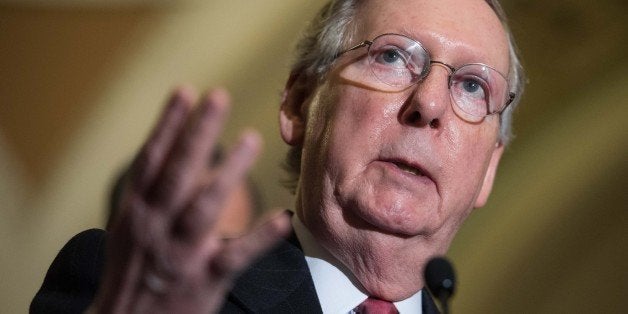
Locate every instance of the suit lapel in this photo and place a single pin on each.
(280, 282)
(429, 307)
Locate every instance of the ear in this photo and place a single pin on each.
(489, 176)
(293, 113)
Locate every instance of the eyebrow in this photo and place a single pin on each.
(410, 33)
(469, 55)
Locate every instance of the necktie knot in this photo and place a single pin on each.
(376, 306)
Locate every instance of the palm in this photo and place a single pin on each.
(163, 253)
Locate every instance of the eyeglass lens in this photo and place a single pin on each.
(399, 62)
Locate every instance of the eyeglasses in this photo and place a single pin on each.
(399, 62)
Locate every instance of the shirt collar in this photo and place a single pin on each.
(335, 286)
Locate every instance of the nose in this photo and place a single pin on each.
(429, 101)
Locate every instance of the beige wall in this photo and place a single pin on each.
(80, 86)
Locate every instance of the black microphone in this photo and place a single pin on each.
(441, 280)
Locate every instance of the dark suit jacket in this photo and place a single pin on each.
(280, 282)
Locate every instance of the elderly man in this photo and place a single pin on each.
(397, 113)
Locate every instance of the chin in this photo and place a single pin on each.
(394, 289)
(398, 215)
(386, 258)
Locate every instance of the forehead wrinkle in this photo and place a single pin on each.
(442, 36)
(463, 52)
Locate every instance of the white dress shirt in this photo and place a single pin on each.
(335, 286)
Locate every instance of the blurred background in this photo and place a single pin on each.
(81, 83)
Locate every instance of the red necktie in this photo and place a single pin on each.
(376, 306)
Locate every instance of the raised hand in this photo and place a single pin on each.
(162, 253)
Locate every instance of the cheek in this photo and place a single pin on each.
(316, 135)
(362, 125)
(469, 149)
(332, 124)
(347, 122)
(345, 131)
(358, 113)
(363, 116)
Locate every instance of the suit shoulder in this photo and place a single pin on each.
(72, 279)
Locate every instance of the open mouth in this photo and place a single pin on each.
(408, 168)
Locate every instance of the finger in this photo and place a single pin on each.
(240, 252)
(190, 154)
(149, 160)
(199, 219)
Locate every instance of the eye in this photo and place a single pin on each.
(475, 87)
(391, 56)
(471, 94)
(471, 86)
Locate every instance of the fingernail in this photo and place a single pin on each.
(251, 138)
(219, 96)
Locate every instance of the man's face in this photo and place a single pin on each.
(388, 178)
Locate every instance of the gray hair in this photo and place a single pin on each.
(332, 29)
